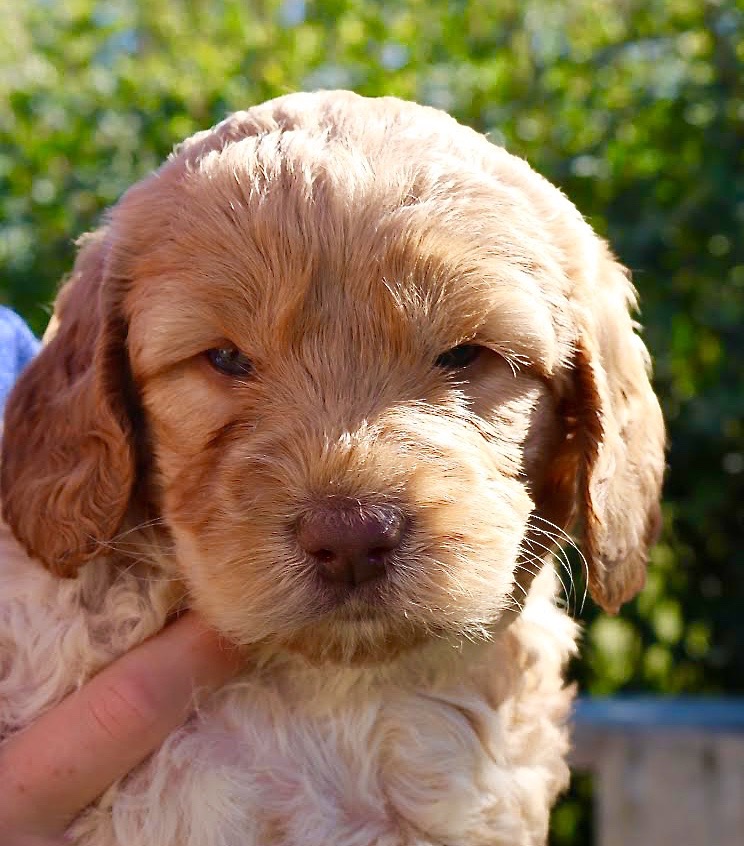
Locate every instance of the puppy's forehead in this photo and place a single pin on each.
(294, 235)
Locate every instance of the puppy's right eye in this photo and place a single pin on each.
(229, 360)
(459, 357)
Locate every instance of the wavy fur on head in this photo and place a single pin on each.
(343, 245)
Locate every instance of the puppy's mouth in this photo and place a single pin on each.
(371, 594)
(359, 626)
(354, 609)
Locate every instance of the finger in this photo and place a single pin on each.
(67, 758)
(23, 839)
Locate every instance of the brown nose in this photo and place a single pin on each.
(351, 543)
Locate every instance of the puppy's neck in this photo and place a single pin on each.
(425, 665)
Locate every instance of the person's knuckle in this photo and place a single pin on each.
(124, 706)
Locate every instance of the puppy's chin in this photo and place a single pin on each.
(355, 631)
(353, 637)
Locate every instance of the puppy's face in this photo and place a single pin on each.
(347, 401)
(365, 347)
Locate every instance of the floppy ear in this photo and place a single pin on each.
(67, 456)
(618, 438)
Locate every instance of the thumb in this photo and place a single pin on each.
(55, 768)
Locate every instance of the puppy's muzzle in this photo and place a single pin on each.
(350, 543)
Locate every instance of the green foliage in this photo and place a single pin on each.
(635, 108)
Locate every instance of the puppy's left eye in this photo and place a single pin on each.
(459, 357)
(230, 361)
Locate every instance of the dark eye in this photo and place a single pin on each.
(459, 357)
(230, 360)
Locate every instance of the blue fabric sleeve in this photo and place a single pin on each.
(17, 347)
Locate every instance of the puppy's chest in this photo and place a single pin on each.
(340, 766)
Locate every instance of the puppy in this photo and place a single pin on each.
(340, 375)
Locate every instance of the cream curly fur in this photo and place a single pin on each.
(343, 245)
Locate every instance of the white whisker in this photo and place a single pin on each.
(563, 561)
(560, 535)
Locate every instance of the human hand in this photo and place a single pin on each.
(52, 770)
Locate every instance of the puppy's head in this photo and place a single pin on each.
(355, 355)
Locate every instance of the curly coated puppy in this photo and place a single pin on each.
(340, 375)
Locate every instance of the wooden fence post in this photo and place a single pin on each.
(668, 772)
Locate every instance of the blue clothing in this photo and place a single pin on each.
(17, 347)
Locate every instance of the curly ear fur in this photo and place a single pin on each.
(608, 471)
(67, 457)
(619, 437)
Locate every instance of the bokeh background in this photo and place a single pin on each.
(634, 107)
